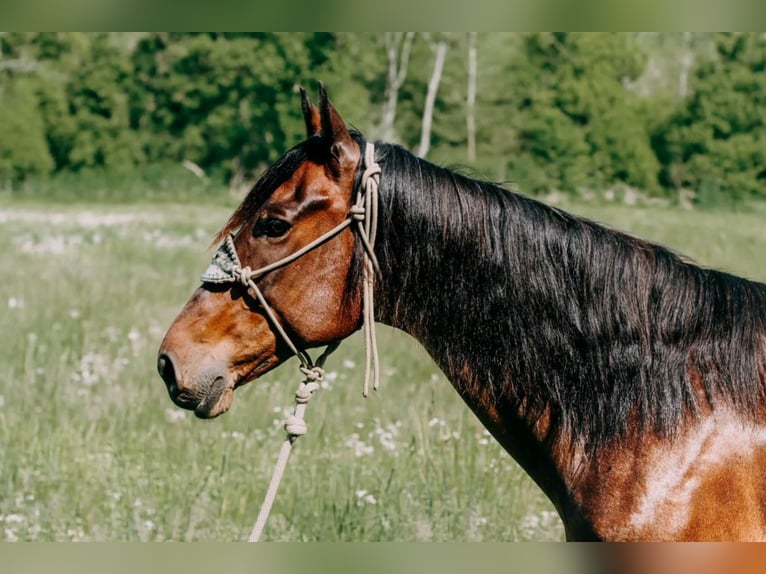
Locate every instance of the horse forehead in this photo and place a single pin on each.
(308, 180)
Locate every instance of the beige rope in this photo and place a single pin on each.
(367, 195)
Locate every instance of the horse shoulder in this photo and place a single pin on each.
(705, 483)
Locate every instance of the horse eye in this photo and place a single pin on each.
(271, 227)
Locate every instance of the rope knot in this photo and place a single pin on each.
(371, 171)
(312, 373)
(357, 212)
(243, 275)
(304, 392)
(295, 426)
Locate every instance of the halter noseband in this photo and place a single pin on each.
(226, 268)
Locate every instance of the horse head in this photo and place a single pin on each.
(240, 324)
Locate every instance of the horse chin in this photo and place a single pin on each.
(217, 400)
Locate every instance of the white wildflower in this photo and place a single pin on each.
(174, 415)
(386, 435)
(15, 303)
(364, 497)
(14, 519)
(360, 447)
(327, 380)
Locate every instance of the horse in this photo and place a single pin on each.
(627, 381)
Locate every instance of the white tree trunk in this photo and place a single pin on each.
(398, 46)
(470, 105)
(687, 61)
(440, 53)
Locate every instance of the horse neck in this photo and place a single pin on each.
(541, 308)
(448, 280)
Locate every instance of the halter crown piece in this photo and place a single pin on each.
(227, 268)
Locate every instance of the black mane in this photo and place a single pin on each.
(595, 327)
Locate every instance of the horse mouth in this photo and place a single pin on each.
(216, 401)
(213, 394)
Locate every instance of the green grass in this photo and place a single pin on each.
(93, 449)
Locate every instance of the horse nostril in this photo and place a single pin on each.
(167, 372)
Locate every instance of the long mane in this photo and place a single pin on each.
(598, 328)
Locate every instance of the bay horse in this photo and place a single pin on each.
(625, 380)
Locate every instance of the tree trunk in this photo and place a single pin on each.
(470, 106)
(440, 53)
(398, 47)
(687, 61)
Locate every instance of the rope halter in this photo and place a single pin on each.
(227, 268)
(363, 215)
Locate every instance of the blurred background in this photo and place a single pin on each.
(121, 155)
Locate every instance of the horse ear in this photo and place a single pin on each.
(310, 115)
(344, 153)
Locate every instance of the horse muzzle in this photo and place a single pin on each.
(208, 394)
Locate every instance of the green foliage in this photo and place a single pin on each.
(672, 114)
(715, 144)
(577, 125)
(26, 153)
(98, 102)
(219, 99)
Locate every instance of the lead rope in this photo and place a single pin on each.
(295, 426)
(365, 213)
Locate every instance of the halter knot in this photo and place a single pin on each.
(372, 169)
(312, 373)
(357, 212)
(305, 391)
(295, 426)
(243, 275)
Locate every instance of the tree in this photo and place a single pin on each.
(398, 46)
(219, 100)
(439, 47)
(470, 103)
(97, 98)
(26, 153)
(573, 112)
(715, 144)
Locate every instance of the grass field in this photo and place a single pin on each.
(91, 448)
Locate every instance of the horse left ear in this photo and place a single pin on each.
(310, 115)
(343, 150)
